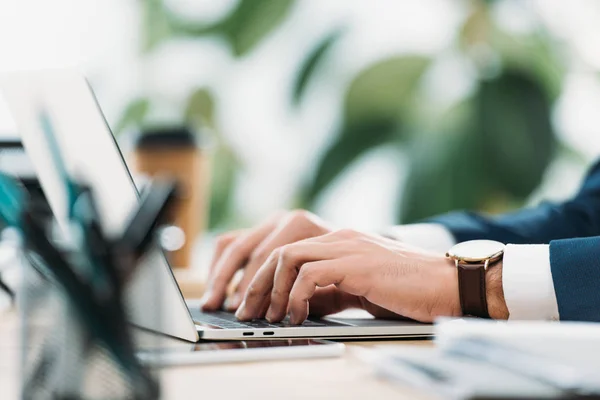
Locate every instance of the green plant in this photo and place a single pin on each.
(487, 152)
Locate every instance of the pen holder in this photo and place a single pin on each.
(63, 356)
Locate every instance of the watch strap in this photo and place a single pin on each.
(472, 290)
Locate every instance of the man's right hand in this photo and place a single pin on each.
(249, 249)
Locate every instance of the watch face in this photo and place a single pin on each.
(476, 250)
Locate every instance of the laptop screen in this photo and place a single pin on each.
(91, 156)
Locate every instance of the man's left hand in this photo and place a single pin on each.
(347, 269)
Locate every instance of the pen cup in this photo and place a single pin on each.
(64, 355)
(175, 152)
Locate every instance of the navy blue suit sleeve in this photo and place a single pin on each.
(578, 217)
(575, 265)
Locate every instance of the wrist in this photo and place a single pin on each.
(496, 303)
(452, 294)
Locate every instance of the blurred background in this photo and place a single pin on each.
(369, 113)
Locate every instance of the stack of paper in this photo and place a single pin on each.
(490, 359)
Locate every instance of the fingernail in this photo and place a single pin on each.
(269, 316)
(292, 318)
(228, 303)
(241, 311)
(233, 302)
(204, 299)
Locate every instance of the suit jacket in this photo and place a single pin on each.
(571, 228)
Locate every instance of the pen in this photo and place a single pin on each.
(12, 199)
(7, 289)
(11, 204)
(59, 165)
(137, 236)
(95, 248)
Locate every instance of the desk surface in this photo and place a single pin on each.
(345, 377)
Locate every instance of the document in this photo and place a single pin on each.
(491, 359)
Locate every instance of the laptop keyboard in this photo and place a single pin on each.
(227, 320)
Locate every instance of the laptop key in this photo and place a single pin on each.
(226, 320)
(259, 324)
(312, 323)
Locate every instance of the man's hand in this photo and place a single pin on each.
(349, 269)
(249, 249)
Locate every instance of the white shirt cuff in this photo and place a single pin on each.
(527, 283)
(433, 237)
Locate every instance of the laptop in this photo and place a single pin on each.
(92, 155)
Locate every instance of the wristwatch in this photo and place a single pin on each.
(472, 259)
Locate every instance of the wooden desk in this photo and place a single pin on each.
(345, 377)
(336, 378)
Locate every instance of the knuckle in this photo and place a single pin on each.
(277, 293)
(288, 254)
(298, 216)
(258, 256)
(347, 233)
(233, 248)
(285, 251)
(222, 241)
(307, 273)
(252, 291)
(275, 254)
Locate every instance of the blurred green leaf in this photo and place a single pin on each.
(252, 20)
(156, 25)
(247, 25)
(514, 120)
(199, 112)
(311, 63)
(534, 54)
(200, 108)
(477, 26)
(382, 90)
(225, 167)
(372, 116)
(134, 114)
(353, 141)
(444, 169)
(491, 157)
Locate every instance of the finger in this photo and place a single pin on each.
(335, 236)
(292, 259)
(312, 276)
(263, 309)
(295, 228)
(221, 243)
(233, 258)
(258, 290)
(287, 257)
(331, 300)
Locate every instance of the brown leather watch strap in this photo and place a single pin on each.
(471, 287)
